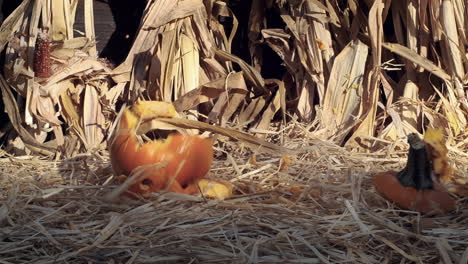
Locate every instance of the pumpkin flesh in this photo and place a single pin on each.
(187, 157)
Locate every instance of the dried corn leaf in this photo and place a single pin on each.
(418, 59)
(92, 118)
(278, 40)
(398, 128)
(168, 63)
(155, 16)
(269, 113)
(42, 108)
(423, 33)
(190, 65)
(250, 73)
(256, 24)
(12, 23)
(224, 103)
(111, 96)
(231, 84)
(32, 36)
(77, 66)
(75, 43)
(452, 42)
(69, 111)
(175, 57)
(221, 9)
(366, 129)
(412, 26)
(309, 52)
(305, 105)
(257, 144)
(460, 10)
(59, 27)
(229, 101)
(182, 53)
(62, 55)
(322, 35)
(251, 112)
(89, 26)
(434, 14)
(14, 115)
(409, 112)
(342, 100)
(276, 103)
(371, 95)
(454, 115)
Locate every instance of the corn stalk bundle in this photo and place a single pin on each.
(63, 90)
(358, 73)
(356, 82)
(182, 54)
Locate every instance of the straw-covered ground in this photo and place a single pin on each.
(321, 208)
(361, 74)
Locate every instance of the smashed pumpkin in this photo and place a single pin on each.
(416, 187)
(187, 158)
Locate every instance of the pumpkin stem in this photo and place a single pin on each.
(418, 170)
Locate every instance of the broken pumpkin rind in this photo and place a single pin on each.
(436, 200)
(188, 157)
(217, 189)
(443, 170)
(414, 187)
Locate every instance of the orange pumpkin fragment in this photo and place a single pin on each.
(414, 188)
(218, 189)
(454, 181)
(187, 157)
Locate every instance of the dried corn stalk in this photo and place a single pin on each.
(349, 76)
(342, 103)
(178, 56)
(61, 82)
(428, 38)
(360, 137)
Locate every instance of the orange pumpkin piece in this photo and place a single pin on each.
(424, 201)
(187, 157)
(454, 181)
(217, 189)
(414, 188)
